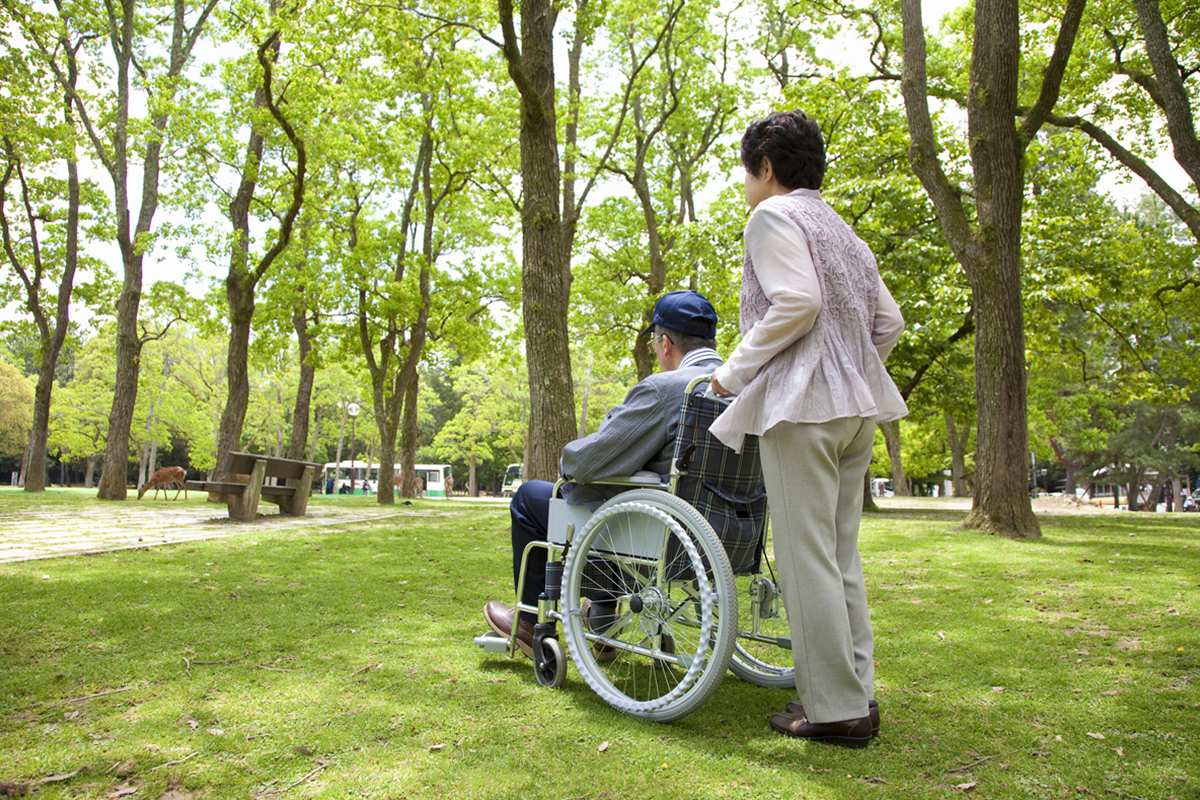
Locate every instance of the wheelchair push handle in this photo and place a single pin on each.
(708, 394)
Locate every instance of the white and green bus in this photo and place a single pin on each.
(336, 478)
(512, 480)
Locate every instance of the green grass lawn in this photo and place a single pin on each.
(339, 663)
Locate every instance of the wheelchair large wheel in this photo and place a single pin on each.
(663, 605)
(762, 653)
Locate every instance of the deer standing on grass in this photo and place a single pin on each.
(163, 478)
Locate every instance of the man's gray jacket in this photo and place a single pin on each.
(637, 435)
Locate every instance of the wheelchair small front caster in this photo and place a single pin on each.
(550, 663)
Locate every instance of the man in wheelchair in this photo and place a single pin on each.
(639, 434)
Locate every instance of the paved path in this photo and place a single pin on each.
(31, 534)
(49, 531)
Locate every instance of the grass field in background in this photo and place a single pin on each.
(339, 663)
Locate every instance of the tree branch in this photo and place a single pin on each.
(966, 329)
(923, 153)
(1052, 76)
(1178, 203)
(265, 58)
(1175, 103)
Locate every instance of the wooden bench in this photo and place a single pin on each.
(243, 498)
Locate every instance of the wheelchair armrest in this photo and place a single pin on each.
(643, 477)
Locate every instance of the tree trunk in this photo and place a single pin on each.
(891, 437)
(990, 253)
(958, 465)
(408, 439)
(643, 347)
(393, 394)
(546, 263)
(35, 480)
(303, 407)
(51, 341)
(1002, 503)
(1154, 498)
(869, 503)
(113, 478)
(387, 419)
(1135, 491)
(241, 310)
(23, 474)
(316, 435)
(241, 281)
(472, 484)
(89, 472)
(140, 477)
(1001, 499)
(337, 471)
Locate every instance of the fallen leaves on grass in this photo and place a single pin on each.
(124, 790)
(17, 788)
(965, 787)
(603, 746)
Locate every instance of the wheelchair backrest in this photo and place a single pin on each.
(724, 486)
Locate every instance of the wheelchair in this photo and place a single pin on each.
(665, 586)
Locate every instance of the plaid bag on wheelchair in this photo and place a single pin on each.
(725, 487)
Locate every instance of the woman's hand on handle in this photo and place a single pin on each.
(719, 390)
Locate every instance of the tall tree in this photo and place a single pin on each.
(989, 248)
(682, 102)
(139, 39)
(243, 278)
(28, 252)
(551, 201)
(41, 238)
(546, 263)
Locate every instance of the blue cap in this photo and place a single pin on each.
(686, 311)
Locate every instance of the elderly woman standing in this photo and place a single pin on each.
(817, 323)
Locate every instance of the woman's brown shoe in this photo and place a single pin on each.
(794, 707)
(854, 733)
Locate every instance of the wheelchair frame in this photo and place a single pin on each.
(668, 593)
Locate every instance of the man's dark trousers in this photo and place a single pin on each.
(530, 511)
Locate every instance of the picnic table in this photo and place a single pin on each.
(243, 498)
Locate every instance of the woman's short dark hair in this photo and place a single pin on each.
(793, 142)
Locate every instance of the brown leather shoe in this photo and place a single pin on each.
(794, 707)
(602, 652)
(499, 618)
(854, 733)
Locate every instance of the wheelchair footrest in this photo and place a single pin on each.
(492, 642)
